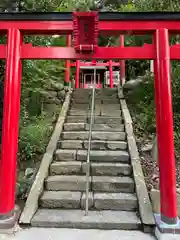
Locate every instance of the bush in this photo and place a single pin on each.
(142, 106)
(33, 138)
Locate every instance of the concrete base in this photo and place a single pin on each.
(8, 223)
(76, 234)
(166, 236)
(167, 228)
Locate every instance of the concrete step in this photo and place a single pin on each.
(95, 155)
(66, 183)
(112, 184)
(65, 199)
(97, 169)
(95, 220)
(95, 127)
(95, 145)
(96, 135)
(96, 183)
(115, 201)
(97, 119)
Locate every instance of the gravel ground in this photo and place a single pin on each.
(150, 167)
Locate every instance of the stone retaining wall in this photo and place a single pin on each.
(53, 99)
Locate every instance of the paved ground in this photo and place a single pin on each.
(75, 234)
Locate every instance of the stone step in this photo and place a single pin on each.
(80, 100)
(60, 199)
(113, 100)
(87, 100)
(95, 144)
(104, 96)
(97, 169)
(97, 119)
(65, 199)
(107, 91)
(80, 91)
(104, 156)
(96, 96)
(121, 220)
(112, 184)
(111, 106)
(66, 183)
(98, 112)
(66, 168)
(96, 183)
(97, 201)
(83, 112)
(65, 155)
(115, 201)
(90, 200)
(79, 106)
(95, 127)
(81, 96)
(111, 112)
(109, 169)
(96, 135)
(95, 155)
(83, 106)
(74, 126)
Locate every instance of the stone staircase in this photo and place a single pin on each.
(113, 202)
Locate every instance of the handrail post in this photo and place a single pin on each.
(122, 63)
(89, 146)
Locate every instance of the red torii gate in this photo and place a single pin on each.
(109, 64)
(160, 25)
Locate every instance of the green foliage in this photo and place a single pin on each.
(142, 106)
(141, 101)
(33, 138)
(157, 5)
(38, 77)
(57, 5)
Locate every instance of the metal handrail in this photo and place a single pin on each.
(89, 146)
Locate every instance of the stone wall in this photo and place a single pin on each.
(54, 98)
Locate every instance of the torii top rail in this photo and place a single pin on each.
(109, 24)
(160, 25)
